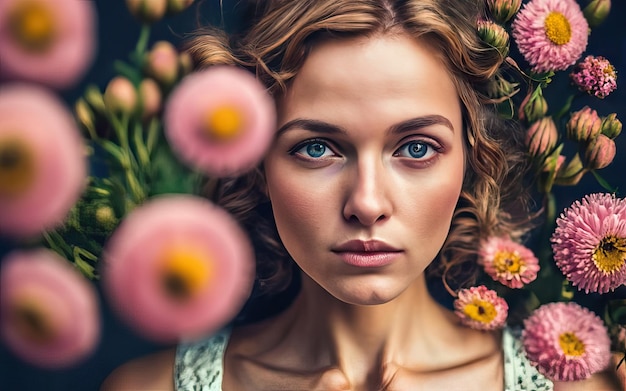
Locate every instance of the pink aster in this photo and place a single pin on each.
(550, 34)
(220, 120)
(508, 262)
(566, 342)
(50, 42)
(589, 243)
(50, 313)
(595, 76)
(481, 308)
(178, 267)
(43, 165)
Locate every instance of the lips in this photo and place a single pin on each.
(371, 253)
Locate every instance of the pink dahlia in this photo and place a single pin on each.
(220, 120)
(508, 262)
(589, 243)
(50, 42)
(595, 76)
(178, 267)
(50, 314)
(43, 165)
(550, 34)
(481, 308)
(566, 342)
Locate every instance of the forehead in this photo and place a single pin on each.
(370, 74)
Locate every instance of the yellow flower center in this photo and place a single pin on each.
(481, 311)
(17, 167)
(32, 24)
(507, 261)
(610, 255)
(185, 273)
(609, 70)
(33, 321)
(224, 123)
(558, 29)
(571, 344)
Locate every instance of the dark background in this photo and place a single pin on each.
(118, 32)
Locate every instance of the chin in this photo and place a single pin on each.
(363, 293)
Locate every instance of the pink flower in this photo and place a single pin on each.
(566, 342)
(178, 267)
(50, 314)
(220, 120)
(589, 243)
(481, 308)
(50, 42)
(550, 34)
(508, 262)
(42, 160)
(595, 76)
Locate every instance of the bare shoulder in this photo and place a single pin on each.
(153, 372)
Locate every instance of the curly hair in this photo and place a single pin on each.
(493, 200)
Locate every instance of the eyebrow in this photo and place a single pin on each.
(323, 127)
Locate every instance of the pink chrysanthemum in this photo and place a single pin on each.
(178, 267)
(508, 262)
(220, 120)
(51, 42)
(595, 76)
(550, 34)
(43, 165)
(589, 243)
(50, 315)
(481, 308)
(566, 342)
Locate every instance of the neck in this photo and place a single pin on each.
(361, 340)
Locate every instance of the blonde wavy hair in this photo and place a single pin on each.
(275, 46)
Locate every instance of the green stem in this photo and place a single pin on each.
(142, 42)
(142, 151)
(565, 109)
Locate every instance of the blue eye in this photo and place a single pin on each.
(316, 149)
(415, 149)
(313, 149)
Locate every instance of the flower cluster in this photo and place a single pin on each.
(582, 251)
(115, 186)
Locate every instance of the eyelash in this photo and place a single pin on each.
(432, 146)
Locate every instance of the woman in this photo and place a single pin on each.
(386, 167)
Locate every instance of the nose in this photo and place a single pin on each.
(367, 196)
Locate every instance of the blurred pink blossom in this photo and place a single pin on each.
(566, 342)
(43, 164)
(50, 312)
(50, 42)
(178, 267)
(220, 120)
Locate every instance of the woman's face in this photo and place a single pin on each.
(367, 165)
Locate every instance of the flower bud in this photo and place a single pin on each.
(150, 95)
(611, 126)
(551, 165)
(162, 63)
(185, 63)
(494, 35)
(105, 217)
(533, 107)
(600, 153)
(93, 96)
(120, 96)
(176, 6)
(570, 174)
(84, 115)
(541, 137)
(596, 11)
(147, 11)
(584, 125)
(503, 10)
(499, 87)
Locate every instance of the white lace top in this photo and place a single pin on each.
(199, 366)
